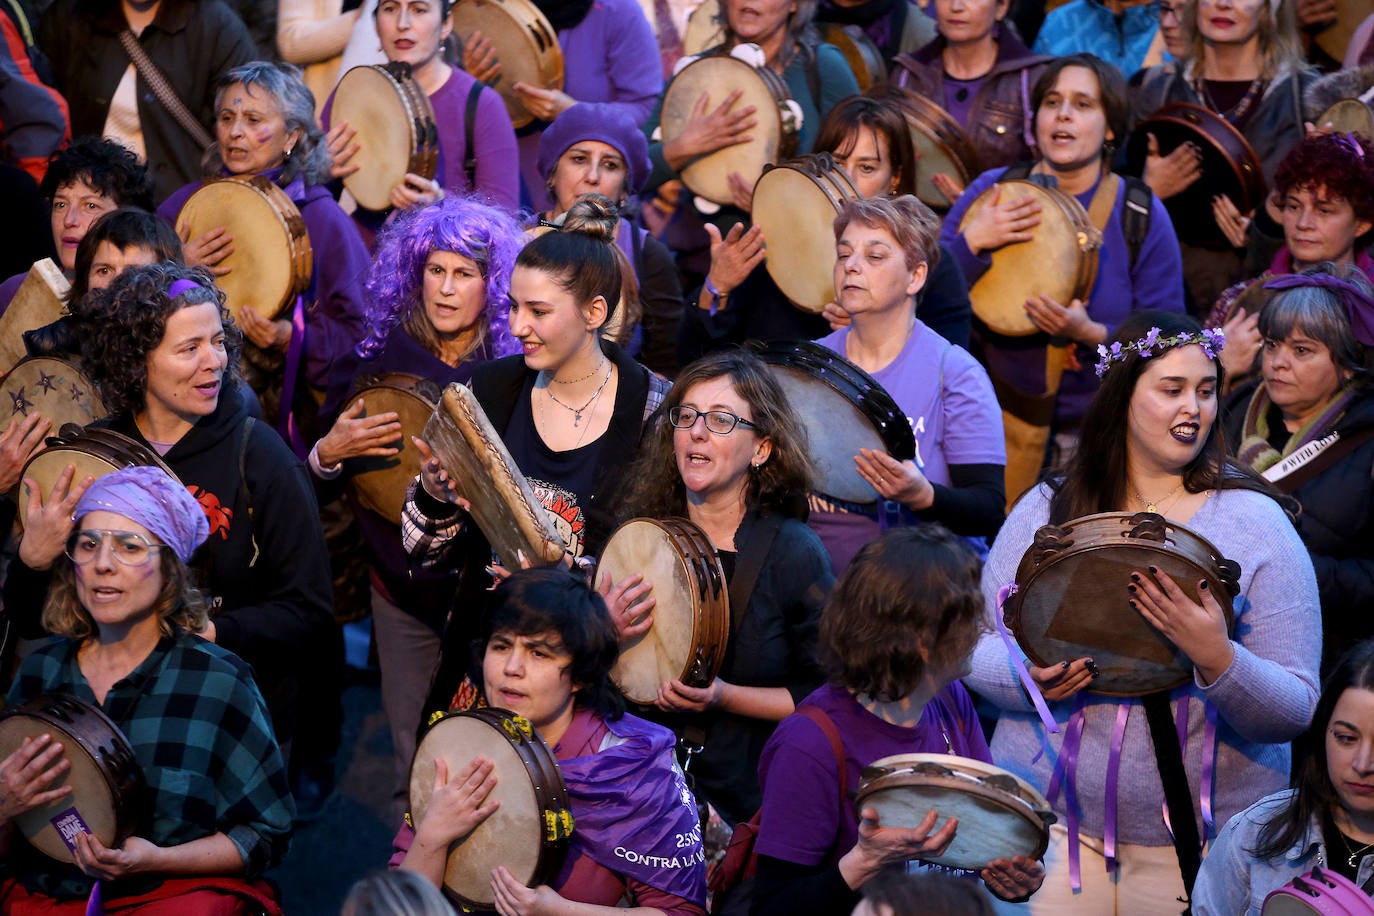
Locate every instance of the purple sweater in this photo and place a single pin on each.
(1154, 281)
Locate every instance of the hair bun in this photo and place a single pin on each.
(594, 216)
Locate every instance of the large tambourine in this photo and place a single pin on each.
(843, 409)
(396, 134)
(1000, 815)
(528, 833)
(503, 504)
(380, 483)
(692, 605)
(774, 138)
(1319, 892)
(40, 300)
(1229, 167)
(862, 55)
(93, 451)
(55, 388)
(1060, 261)
(1071, 599)
(272, 261)
(1348, 116)
(525, 44)
(942, 147)
(107, 783)
(795, 204)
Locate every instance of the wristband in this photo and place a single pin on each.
(718, 299)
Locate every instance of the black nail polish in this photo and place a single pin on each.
(1064, 665)
(1135, 577)
(1203, 585)
(1131, 602)
(1152, 570)
(1131, 589)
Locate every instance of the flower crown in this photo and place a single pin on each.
(1210, 339)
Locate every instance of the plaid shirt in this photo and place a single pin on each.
(199, 728)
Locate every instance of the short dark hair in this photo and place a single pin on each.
(908, 590)
(927, 893)
(551, 599)
(108, 167)
(127, 227)
(1111, 87)
(877, 111)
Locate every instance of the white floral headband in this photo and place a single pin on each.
(1210, 339)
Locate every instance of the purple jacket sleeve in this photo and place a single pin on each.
(494, 138)
(334, 313)
(973, 266)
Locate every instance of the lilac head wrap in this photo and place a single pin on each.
(180, 286)
(146, 495)
(602, 122)
(1358, 304)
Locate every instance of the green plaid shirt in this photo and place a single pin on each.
(199, 728)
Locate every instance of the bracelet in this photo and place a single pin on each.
(718, 299)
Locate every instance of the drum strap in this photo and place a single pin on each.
(752, 553)
(164, 93)
(1178, 797)
(469, 128)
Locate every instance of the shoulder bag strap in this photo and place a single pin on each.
(818, 715)
(469, 127)
(748, 564)
(165, 94)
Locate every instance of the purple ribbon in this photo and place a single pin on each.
(180, 286)
(286, 418)
(1123, 712)
(95, 903)
(1019, 662)
(1066, 773)
(1359, 306)
(1209, 764)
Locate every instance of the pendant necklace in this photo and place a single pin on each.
(1152, 505)
(1354, 853)
(577, 411)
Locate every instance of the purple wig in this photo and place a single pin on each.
(484, 234)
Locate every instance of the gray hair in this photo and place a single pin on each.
(309, 159)
(395, 893)
(1318, 313)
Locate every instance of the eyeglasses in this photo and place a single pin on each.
(720, 422)
(128, 548)
(1175, 11)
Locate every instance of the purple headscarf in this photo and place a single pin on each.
(1358, 304)
(146, 495)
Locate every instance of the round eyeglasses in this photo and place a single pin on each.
(720, 422)
(128, 548)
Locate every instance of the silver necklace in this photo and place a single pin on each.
(577, 411)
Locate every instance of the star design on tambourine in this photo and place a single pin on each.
(77, 392)
(47, 383)
(21, 404)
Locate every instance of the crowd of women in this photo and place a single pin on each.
(1209, 372)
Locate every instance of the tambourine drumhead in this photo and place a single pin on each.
(1000, 815)
(1060, 261)
(862, 55)
(530, 791)
(93, 452)
(1319, 892)
(942, 146)
(795, 204)
(395, 125)
(104, 776)
(691, 613)
(717, 76)
(843, 410)
(55, 388)
(272, 261)
(525, 44)
(40, 300)
(1071, 597)
(1348, 116)
(380, 483)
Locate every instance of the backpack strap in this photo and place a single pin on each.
(1135, 216)
(469, 129)
(246, 433)
(827, 725)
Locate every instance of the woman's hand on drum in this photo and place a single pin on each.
(1233, 224)
(947, 186)
(264, 332)
(1243, 342)
(734, 256)
(416, 191)
(27, 773)
(135, 856)
(1061, 681)
(741, 192)
(1172, 174)
(479, 58)
(1197, 629)
(435, 479)
(458, 804)
(1014, 878)
(544, 104)
(355, 435)
(879, 846)
(900, 481)
(209, 249)
(513, 898)
(1068, 321)
(1001, 222)
(630, 602)
(343, 146)
(20, 441)
(49, 521)
(710, 129)
(675, 696)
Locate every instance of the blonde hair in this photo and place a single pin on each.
(179, 604)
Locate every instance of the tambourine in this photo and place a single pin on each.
(528, 833)
(272, 261)
(1000, 815)
(692, 605)
(843, 409)
(942, 145)
(1319, 892)
(774, 137)
(396, 134)
(795, 204)
(55, 388)
(525, 44)
(1071, 599)
(862, 55)
(1060, 261)
(107, 783)
(94, 452)
(40, 300)
(1348, 116)
(380, 483)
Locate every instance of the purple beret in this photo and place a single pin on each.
(596, 121)
(146, 495)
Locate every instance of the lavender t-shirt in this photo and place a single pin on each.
(803, 821)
